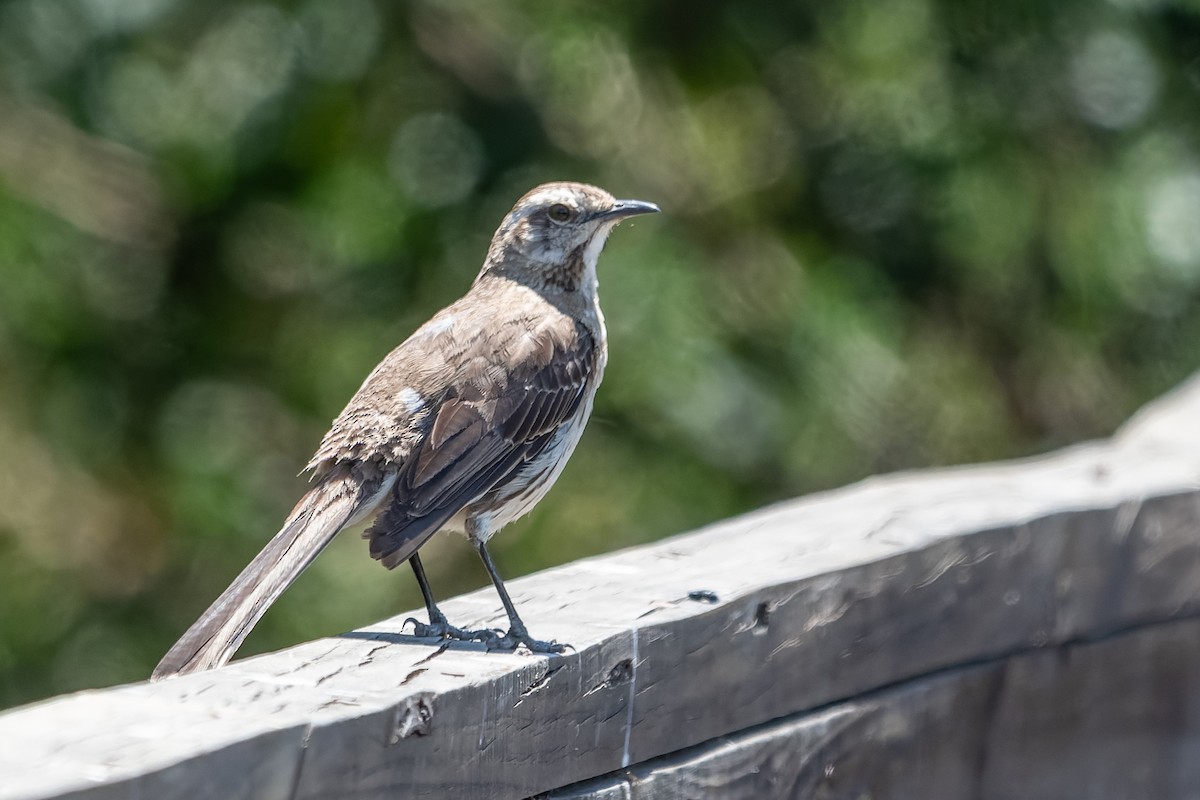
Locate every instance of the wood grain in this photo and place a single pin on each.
(1107, 720)
(802, 606)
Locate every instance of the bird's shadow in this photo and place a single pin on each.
(432, 642)
(437, 645)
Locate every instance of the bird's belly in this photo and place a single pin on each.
(534, 480)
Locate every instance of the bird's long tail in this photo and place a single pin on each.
(340, 499)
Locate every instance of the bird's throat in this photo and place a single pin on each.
(571, 273)
(578, 270)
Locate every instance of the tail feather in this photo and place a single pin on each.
(337, 502)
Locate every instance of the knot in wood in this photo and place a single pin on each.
(413, 718)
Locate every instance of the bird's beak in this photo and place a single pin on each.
(627, 208)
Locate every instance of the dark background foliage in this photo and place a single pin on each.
(897, 233)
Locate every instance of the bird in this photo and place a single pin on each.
(464, 426)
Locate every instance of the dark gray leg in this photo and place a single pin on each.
(517, 633)
(436, 617)
(439, 627)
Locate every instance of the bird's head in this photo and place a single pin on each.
(554, 234)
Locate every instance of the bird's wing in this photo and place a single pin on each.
(504, 407)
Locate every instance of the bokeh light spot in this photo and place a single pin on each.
(339, 39)
(436, 159)
(1173, 223)
(1115, 79)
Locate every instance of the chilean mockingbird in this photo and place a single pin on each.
(464, 426)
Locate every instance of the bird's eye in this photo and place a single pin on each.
(558, 212)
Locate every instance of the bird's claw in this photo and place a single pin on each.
(515, 638)
(491, 638)
(444, 630)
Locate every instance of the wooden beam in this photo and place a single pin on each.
(1103, 720)
(678, 643)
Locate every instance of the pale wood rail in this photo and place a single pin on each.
(1019, 630)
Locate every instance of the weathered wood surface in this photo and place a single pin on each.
(816, 601)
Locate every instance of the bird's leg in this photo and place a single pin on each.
(517, 633)
(439, 627)
(437, 620)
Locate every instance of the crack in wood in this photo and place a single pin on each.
(632, 667)
(540, 682)
(413, 674)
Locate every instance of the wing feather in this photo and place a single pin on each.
(485, 429)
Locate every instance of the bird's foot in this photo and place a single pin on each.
(441, 629)
(491, 638)
(519, 636)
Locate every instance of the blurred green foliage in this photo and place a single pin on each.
(897, 233)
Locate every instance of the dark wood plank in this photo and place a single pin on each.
(1107, 720)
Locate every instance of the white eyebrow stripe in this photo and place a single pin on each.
(556, 195)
